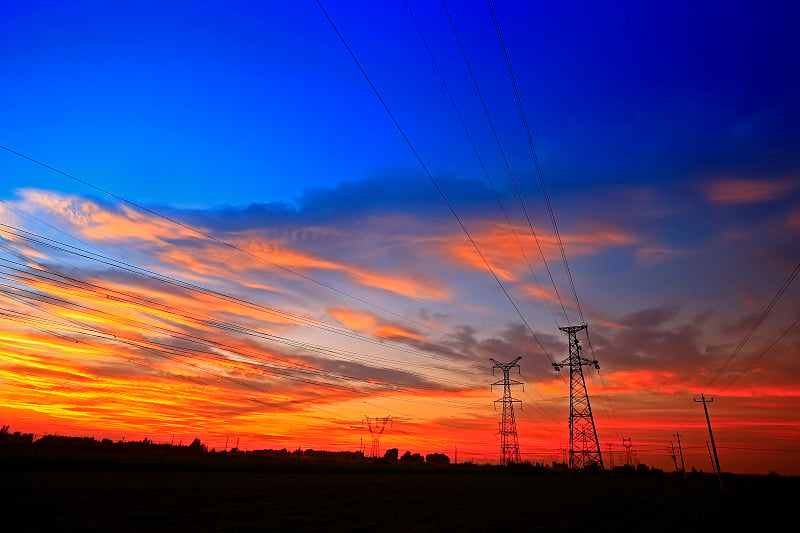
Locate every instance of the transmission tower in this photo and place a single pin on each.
(630, 453)
(376, 428)
(509, 442)
(610, 455)
(584, 448)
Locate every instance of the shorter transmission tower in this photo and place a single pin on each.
(376, 428)
(584, 448)
(509, 441)
(630, 454)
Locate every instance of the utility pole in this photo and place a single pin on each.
(584, 448)
(376, 428)
(711, 459)
(705, 403)
(509, 440)
(680, 449)
(672, 455)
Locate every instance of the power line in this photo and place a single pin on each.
(781, 290)
(170, 352)
(79, 252)
(503, 155)
(478, 157)
(762, 354)
(103, 294)
(536, 160)
(276, 265)
(430, 176)
(548, 202)
(148, 345)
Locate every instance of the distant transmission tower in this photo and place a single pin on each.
(376, 428)
(584, 448)
(630, 454)
(509, 442)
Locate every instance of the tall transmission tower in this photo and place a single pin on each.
(584, 448)
(376, 428)
(509, 441)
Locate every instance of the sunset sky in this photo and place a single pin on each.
(236, 241)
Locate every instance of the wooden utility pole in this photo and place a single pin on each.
(672, 455)
(680, 450)
(710, 458)
(705, 403)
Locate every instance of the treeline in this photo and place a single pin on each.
(22, 445)
(392, 455)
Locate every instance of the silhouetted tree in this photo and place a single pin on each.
(437, 459)
(408, 457)
(391, 455)
(198, 446)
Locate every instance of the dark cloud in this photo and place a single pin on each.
(351, 202)
(649, 318)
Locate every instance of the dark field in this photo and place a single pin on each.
(385, 498)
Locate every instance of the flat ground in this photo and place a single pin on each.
(389, 499)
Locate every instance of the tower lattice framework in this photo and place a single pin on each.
(509, 441)
(376, 427)
(584, 448)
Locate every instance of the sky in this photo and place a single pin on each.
(225, 221)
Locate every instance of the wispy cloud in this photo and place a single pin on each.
(747, 191)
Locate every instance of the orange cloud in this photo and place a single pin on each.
(220, 262)
(746, 191)
(98, 223)
(361, 321)
(503, 251)
(540, 293)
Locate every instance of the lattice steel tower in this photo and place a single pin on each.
(584, 448)
(509, 442)
(376, 428)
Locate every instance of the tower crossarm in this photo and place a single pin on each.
(575, 361)
(503, 382)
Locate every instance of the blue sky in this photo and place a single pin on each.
(667, 134)
(157, 100)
